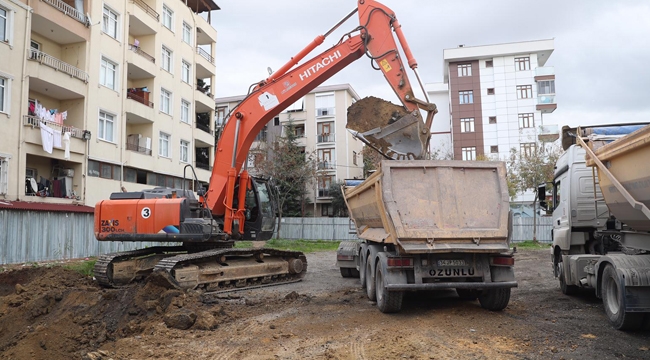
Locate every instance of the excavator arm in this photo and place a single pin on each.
(268, 98)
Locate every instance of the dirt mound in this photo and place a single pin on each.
(56, 313)
(370, 113)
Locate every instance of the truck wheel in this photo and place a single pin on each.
(494, 299)
(566, 288)
(354, 273)
(362, 270)
(370, 282)
(345, 272)
(468, 294)
(613, 292)
(387, 301)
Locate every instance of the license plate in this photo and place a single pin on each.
(452, 272)
(454, 263)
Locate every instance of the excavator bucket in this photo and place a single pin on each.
(388, 128)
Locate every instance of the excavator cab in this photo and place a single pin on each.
(260, 211)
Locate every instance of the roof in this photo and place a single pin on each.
(200, 6)
(38, 206)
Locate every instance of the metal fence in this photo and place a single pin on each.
(316, 228)
(522, 229)
(27, 236)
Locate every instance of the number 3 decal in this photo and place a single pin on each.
(146, 212)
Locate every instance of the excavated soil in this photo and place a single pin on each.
(371, 112)
(54, 313)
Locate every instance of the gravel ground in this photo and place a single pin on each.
(57, 314)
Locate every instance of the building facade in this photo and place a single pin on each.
(319, 120)
(100, 96)
(496, 96)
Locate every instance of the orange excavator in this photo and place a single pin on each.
(237, 206)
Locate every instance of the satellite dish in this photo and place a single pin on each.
(269, 70)
(34, 185)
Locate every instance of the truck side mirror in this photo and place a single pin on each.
(541, 195)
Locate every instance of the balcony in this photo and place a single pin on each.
(204, 102)
(77, 141)
(203, 135)
(56, 64)
(324, 193)
(326, 165)
(202, 165)
(138, 148)
(205, 67)
(546, 103)
(143, 19)
(324, 112)
(140, 65)
(205, 33)
(548, 133)
(325, 138)
(544, 71)
(60, 22)
(139, 110)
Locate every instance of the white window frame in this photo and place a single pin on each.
(325, 111)
(466, 97)
(101, 125)
(169, 60)
(528, 149)
(186, 71)
(467, 125)
(166, 95)
(522, 63)
(185, 149)
(526, 120)
(5, 92)
(186, 107)
(464, 70)
(164, 137)
(103, 68)
(106, 14)
(187, 33)
(168, 13)
(9, 21)
(469, 153)
(4, 173)
(524, 91)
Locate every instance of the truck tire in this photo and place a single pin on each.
(468, 294)
(362, 269)
(494, 299)
(345, 272)
(566, 288)
(387, 301)
(613, 292)
(370, 282)
(354, 273)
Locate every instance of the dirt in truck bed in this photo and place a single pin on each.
(54, 313)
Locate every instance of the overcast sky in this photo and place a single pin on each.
(601, 57)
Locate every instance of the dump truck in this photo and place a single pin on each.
(429, 225)
(601, 222)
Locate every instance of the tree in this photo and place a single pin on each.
(290, 170)
(529, 167)
(338, 202)
(371, 159)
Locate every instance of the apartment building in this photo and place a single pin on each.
(319, 120)
(100, 96)
(494, 99)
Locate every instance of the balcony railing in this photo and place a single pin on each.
(325, 138)
(545, 99)
(544, 71)
(324, 193)
(137, 148)
(326, 165)
(203, 165)
(139, 51)
(205, 54)
(69, 10)
(51, 61)
(34, 122)
(139, 99)
(147, 9)
(204, 127)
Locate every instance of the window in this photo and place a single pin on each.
(528, 149)
(354, 157)
(103, 170)
(326, 209)
(492, 119)
(466, 97)
(108, 74)
(185, 72)
(106, 126)
(526, 121)
(167, 59)
(109, 24)
(163, 145)
(490, 91)
(185, 151)
(522, 63)
(168, 18)
(494, 149)
(556, 194)
(325, 157)
(4, 25)
(464, 70)
(325, 133)
(489, 63)
(4, 173)
(524, 91)
(276, 121)
(3, 94)
(324, 183)
(187, 33)
(298, 130)
(222, 112)
(297, 106)
(325, 105)
(185, 111)
(469, 153)
(165, 101)
(467, 125)
(546, 87)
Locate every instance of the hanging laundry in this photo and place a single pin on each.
(47, 137)
(66, 144)
(64, 115)
(58, 118)
(53, 111)
(57, 139)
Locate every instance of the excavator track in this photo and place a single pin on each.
(224, 270)
(104, 267)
